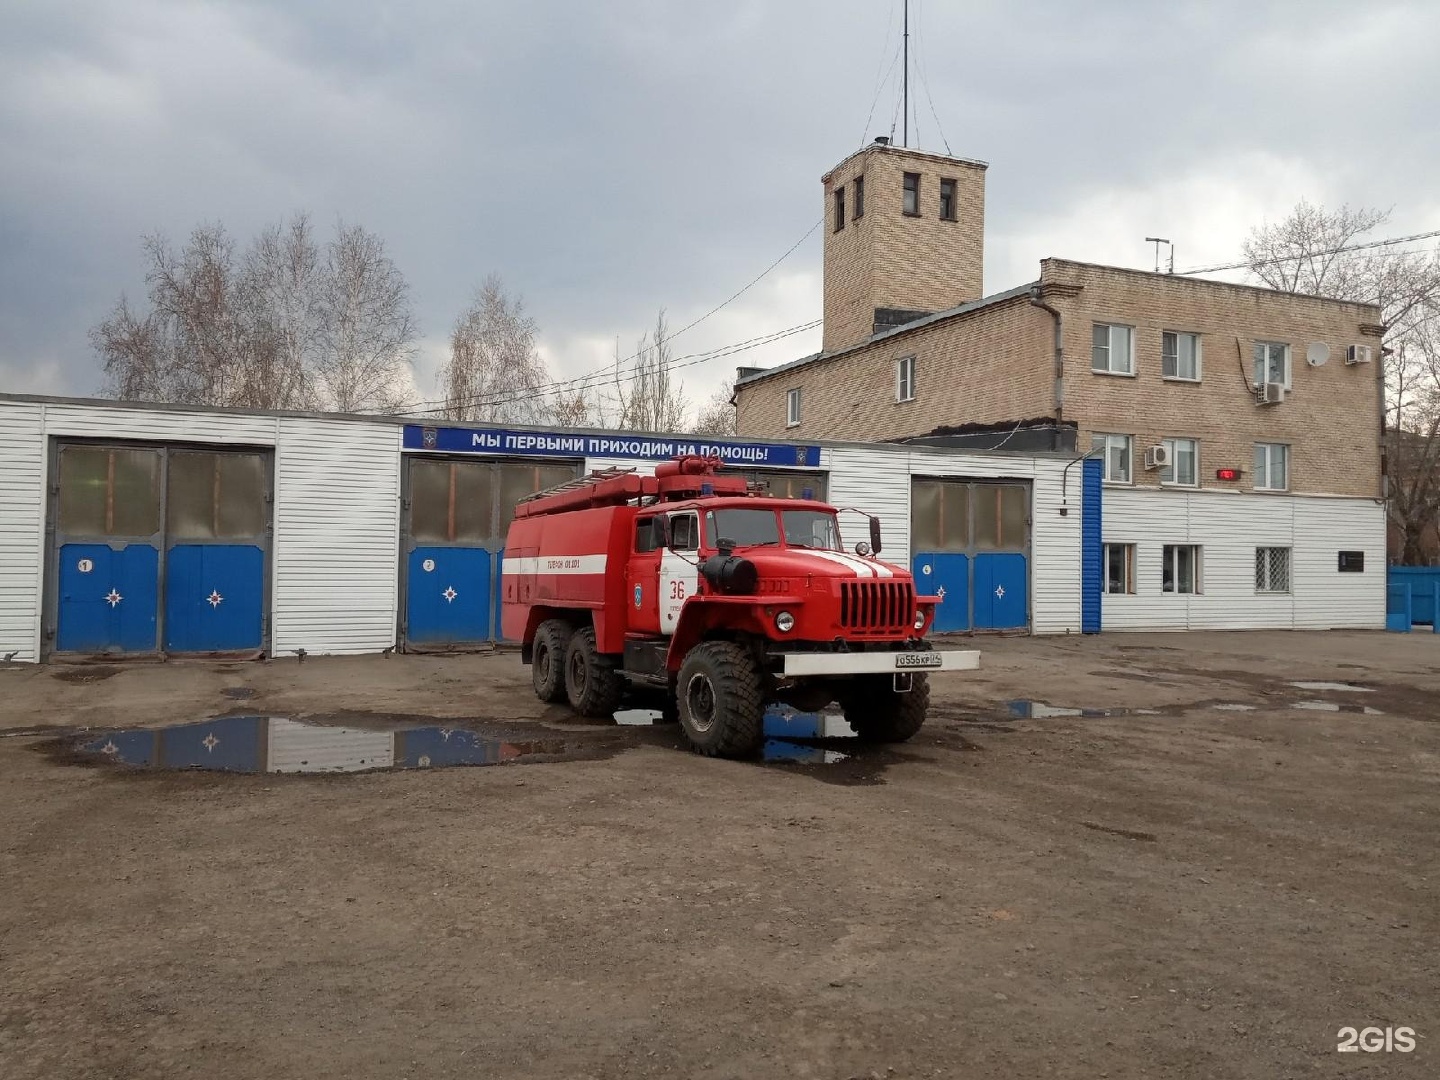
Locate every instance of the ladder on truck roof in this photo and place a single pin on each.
(591, 477)
(613, 486)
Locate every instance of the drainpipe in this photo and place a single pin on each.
(1035, 299)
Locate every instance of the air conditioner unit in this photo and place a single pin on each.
(1357, 354)
(1270, 393)
(1157, 457)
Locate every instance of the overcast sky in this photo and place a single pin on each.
(609, 159)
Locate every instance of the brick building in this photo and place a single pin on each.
(1217, 409)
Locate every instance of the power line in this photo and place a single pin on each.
(1246, 264)
(609, 374)
(444, 403)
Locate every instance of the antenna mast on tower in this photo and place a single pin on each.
(905, 94)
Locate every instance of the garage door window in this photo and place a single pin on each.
(109, 492)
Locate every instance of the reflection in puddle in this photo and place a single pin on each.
(638, 717)
(1335, 687)
(801, 753)
(1236, 707)
(1025, 709)
(1335, 706)
(273, 744)
(783, 725)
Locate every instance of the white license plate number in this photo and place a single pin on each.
(908, 660)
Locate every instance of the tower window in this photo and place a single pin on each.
(840, 208)
(947, 200)
(912, 194)
(859, 198)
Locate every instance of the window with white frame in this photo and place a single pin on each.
(1112, 349)
(1184, 467)
(1116, 451)
(1272, 569)
(1120, 569)
(792, 407)
(1180, 355)
(905, 379)
(1180, 568)
(1272, 467)
(1272, 363)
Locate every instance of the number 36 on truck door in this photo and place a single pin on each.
(679, 571)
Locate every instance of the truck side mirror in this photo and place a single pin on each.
(875, 536)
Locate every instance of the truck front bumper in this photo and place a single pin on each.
(794, 665)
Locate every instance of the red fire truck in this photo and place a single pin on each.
(696, 583)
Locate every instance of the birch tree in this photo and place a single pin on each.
(495, 373)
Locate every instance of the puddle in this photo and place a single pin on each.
(801, 753)
(781, 722)
(1025, 709)
(1334, 706)
(85, 674)
(1334, 687)
(638, 717)
(273, 744)
(238, 693)
(1235, 707)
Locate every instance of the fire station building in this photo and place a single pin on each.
(1238, 429)
(130, 529)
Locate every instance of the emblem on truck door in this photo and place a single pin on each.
(637, 596)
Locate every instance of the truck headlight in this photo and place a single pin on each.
(784, 622)
(919, 620)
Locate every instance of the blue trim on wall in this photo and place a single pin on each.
(1092, 570)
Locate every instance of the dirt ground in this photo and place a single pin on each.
(1180, 891)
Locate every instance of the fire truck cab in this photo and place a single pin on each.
(695, 583)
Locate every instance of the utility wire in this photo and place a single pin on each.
(440, 404)
(882, 73)
(1246, 264)
(925, 76)
(608, 375)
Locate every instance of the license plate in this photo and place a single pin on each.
(917, 660)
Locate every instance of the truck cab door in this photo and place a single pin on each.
(642, 574)
(679, 567)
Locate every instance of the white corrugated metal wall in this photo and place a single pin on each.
(1228, 528)
(22, 527)
(878, 481)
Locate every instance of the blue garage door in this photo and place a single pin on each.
(159, 549)
(457, 514)
(971, 542)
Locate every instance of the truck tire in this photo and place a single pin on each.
(547, 660)
(722, 709)
(879, 714)
(591, 683)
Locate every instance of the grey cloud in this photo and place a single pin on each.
(609, 159)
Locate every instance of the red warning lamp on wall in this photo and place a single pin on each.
(1227, 474)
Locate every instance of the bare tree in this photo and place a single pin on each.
(717, 415)
(1312, 251)
(495, 373)
(647, 396)
(367, 325)
(285, 325)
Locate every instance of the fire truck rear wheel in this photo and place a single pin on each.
(591, 683)
(879, 714)
(547, 660)
(722, 708)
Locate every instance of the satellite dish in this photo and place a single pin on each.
(1316, 353)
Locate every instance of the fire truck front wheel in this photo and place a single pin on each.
(591, 683)
(547, 660)
(879, 714)
(721, 705)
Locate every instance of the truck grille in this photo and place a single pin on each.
(877, 607)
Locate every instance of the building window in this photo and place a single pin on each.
(1272, 570)
(905, 379)
(792, 407)
(859, 198)
(1180, 355)
(1111, 349)
(947, 200)
(1117, 450)
(1272, 467)
(912, 194)
(1184, 467)
(1120, 569)
(840, 208)
(1272, 363)
(1180, 572)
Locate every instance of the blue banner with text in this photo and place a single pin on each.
(449, 440)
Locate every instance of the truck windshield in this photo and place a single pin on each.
(752, 528)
